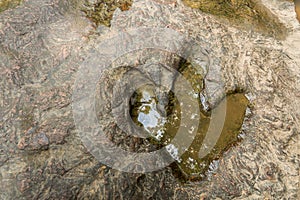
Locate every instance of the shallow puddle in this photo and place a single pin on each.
(147, 112)
(191, 165)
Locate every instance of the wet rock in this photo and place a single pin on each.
(42, 44)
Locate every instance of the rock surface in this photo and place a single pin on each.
(42, 44)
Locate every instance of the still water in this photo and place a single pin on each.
(163, 126)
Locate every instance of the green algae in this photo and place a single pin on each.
(26, 119)
(102, 11)
(247, 14)
(6, 4)
(193, 75)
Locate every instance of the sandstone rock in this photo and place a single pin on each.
(43, 43)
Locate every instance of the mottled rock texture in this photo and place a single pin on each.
(42, 44)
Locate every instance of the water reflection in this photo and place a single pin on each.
(148, 111)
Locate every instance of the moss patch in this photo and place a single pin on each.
(6, 4)
(102, 11)
(249, 14)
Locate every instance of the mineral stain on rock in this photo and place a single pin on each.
(246, 14)
(297, 9)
